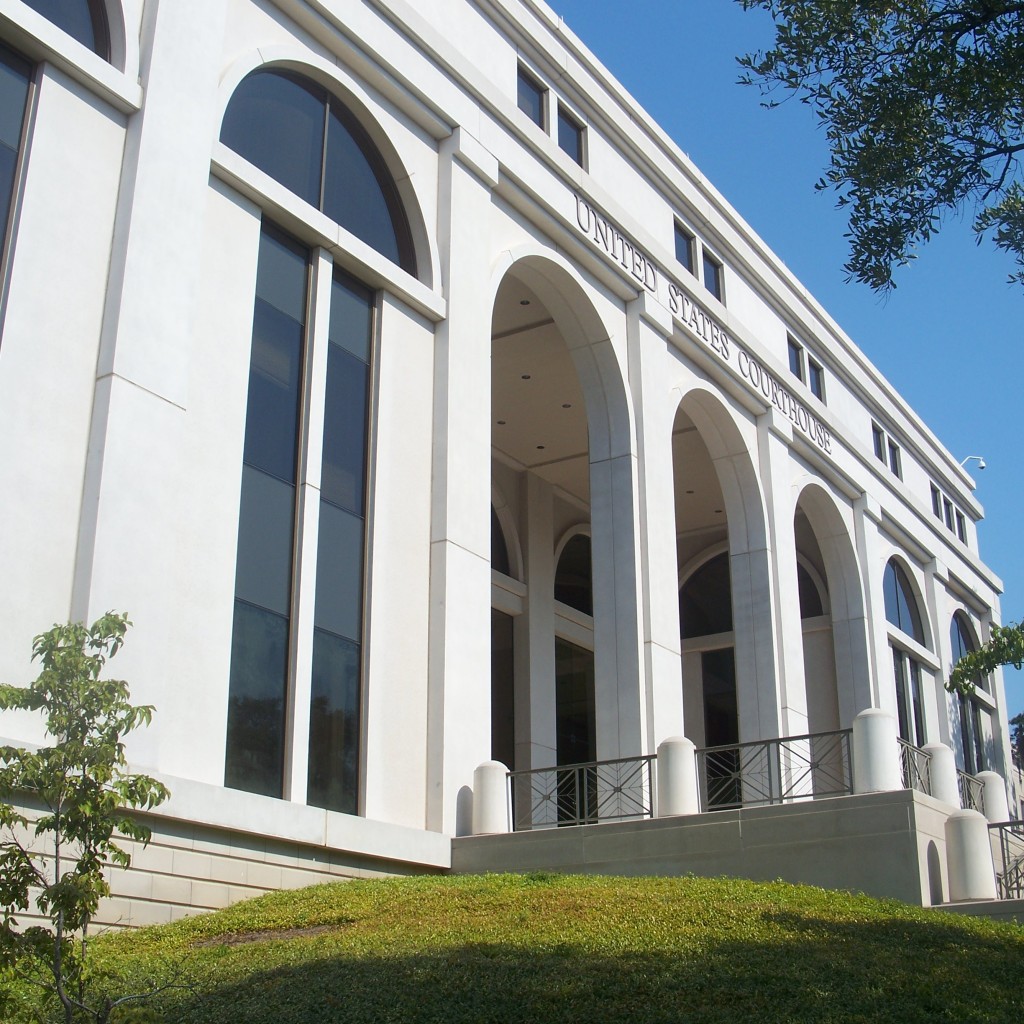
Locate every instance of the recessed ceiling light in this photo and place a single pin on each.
(524, 302)
(689, 492)
(526, 376)
(567, 405)
(718, 511)
(540, 447)
(501, 423)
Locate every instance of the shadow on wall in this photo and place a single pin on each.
(812, 969)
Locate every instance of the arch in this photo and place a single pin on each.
(705, 599)
(830, 523)
(574, 581)
(88, 21)
(903, 606)
(813, 590)
(506, 519)
(348, 93)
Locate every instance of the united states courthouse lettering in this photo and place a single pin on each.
(429, 423)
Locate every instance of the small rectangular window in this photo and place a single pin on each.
(570, 135)
(936, 502)
(961, 526)
(530, 96)
(894, 458)
(878, 437)
(796, 359)
(947, 506)
(684, 247)
(816, 379)
(713, 276)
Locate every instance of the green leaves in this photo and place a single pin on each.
(922, 103)
(1005, 647)
(85, 792)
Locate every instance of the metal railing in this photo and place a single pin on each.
(972, 791)
(583, 794)
(775, 771)
(1008, 853)
(915, 767)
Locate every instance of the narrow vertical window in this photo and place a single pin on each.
(878, 439)
(530, 96)
(894, 458)
(936, 502)
(15, 75)
(947, 508)
(684, 247)
(816, 379)
(260, 643)
(713, 276)
(796, 359)
(961, 526)
(570, 135)
(333, 772)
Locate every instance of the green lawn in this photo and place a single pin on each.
(548, 948)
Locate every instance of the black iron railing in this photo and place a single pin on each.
(583, 794)
(775, 771)
(972, 791)
(1008, 853)
(915, 767)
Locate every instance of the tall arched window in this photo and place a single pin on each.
(901, 611)
(85, 20)
(304, 138)
(972, 711)
(304, 476)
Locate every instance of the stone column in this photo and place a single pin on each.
(876, 763)
(459, 698)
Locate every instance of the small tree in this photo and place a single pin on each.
(1005, 646)
(85, 794)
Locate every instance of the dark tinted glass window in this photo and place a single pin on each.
(961, 526)
(333, 773)
(293, 130)
(878, 439)
(947, 508)
(570, 135)
(85, 20)
(277, 123)
(257, 686)
(573, 584)
(713, 276)
(15, 74)
(796, 360)
(721, 727)
(499, 549)
(684, 247)
(354, 193)
(574, 703)
(263, 577)
(530, 97)
(705, 600)
(816, 379)
(962, 642)
(900, 606)
(503, 679)
(936, 502)
(894, 459)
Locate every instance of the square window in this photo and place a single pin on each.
(796, 359)
(816, 379)
(894, 458)
(530, 95)
(713, 276)
(878, 437)
(570, 135)
(684, 247)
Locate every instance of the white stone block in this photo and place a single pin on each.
(678, 792)
(876, 763)
(997, 807)
(490, 799)
(943, 774)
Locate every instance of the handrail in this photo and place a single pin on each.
(775, 771)
(1008, 853)
(972, 791)
(583, 794)
(915, 767)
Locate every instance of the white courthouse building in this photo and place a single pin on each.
(424, 405)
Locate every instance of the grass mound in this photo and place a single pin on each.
(549, 948)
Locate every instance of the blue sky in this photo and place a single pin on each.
(950, 337)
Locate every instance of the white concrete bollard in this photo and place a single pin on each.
(876, 755)
(490, 799)
(677, 777)
(997, 808)
(969, 858)
(943, 774)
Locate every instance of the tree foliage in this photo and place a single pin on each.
(922, 103)
(1004, 647)
(83, 792)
